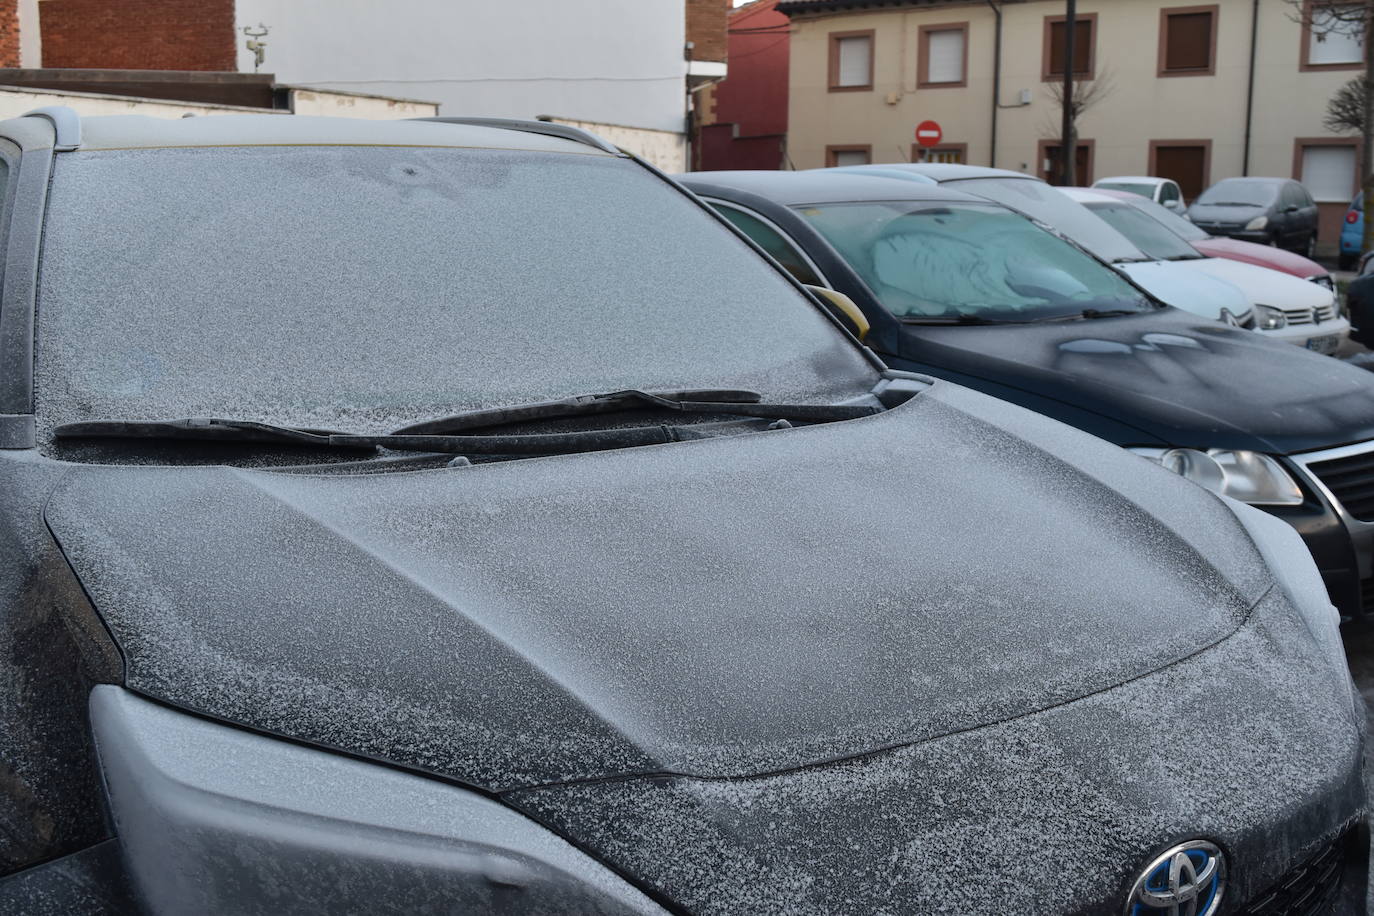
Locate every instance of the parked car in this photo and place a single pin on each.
(416, 517)
(1359, 300)
(1175, 285)
(1286, 308)
(1231, 249)
(1271, 211)
(965, 300)
(1352, 234)
(1163, 191)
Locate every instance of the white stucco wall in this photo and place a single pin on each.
(606, 61)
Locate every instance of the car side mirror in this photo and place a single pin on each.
(1291, 208)
(843, 308)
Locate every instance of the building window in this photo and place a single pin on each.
(1084, 49)
(1330, 41)
(952, 153)
(1187, 163)
(1328, 169)
(1188, 41)
(851, 61)
(943, 56)
(852, 154)
(1083, 162)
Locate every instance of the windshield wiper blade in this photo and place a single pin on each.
(205, 429)
(700, 401)
(970, 320)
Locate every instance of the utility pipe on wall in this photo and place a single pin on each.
(1067, 146)
(996, 81)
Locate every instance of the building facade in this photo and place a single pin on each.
(1194, 92)
(625, 68)
(744, 117)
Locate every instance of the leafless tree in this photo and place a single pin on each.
(1086, 94)
(1345, 110)
(1352, 19)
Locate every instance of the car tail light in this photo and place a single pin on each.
(1352, 217)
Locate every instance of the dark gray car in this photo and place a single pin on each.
(1271, 211)
(461, 518)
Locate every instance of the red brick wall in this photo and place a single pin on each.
(138, 34)
(705, 28)
(9, 33)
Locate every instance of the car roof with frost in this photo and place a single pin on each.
(143, 132)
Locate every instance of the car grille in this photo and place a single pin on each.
(1351, 481)
(1310, 316)
(1309, 889)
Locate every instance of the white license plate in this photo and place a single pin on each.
(1328, 344)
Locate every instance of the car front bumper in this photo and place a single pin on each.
(1324, 337)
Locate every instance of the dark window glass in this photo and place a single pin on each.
(1188, 42)
(771, 241)
(1082, 47)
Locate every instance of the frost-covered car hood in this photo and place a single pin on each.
(1264, 286)
(1174, 379)
(1175, 285)
(716, 608)
(1262, 255)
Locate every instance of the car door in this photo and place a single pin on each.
(1290, 212)
(1307, 209)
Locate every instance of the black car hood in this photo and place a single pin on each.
(1178, 379)
(714, 608)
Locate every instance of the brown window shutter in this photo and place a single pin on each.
(1082, 47)
(1189, 42)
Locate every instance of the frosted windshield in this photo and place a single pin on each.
(947, 261)
(368, 287)
(1054, 208)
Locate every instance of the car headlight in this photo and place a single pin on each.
(1250, 477)
(212, 819)
(1268, 318)
(1324, 280)
(1257, 224)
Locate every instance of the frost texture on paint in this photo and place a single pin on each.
(720, 607)
(366, 288)
(1252, 743)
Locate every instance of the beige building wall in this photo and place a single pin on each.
(1138, 107)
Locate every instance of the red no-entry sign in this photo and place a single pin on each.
(928, 133)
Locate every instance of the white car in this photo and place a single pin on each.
(1172, 284)
(1162, 191)
(1286, 307)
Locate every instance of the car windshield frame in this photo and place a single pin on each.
(382, 285)
(933, 261)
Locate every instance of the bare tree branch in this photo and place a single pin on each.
(1345, 110)
(1086, 94)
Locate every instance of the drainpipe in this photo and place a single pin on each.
(997, 80)
(1250, 89)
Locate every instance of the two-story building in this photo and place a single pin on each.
(1193, 92)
